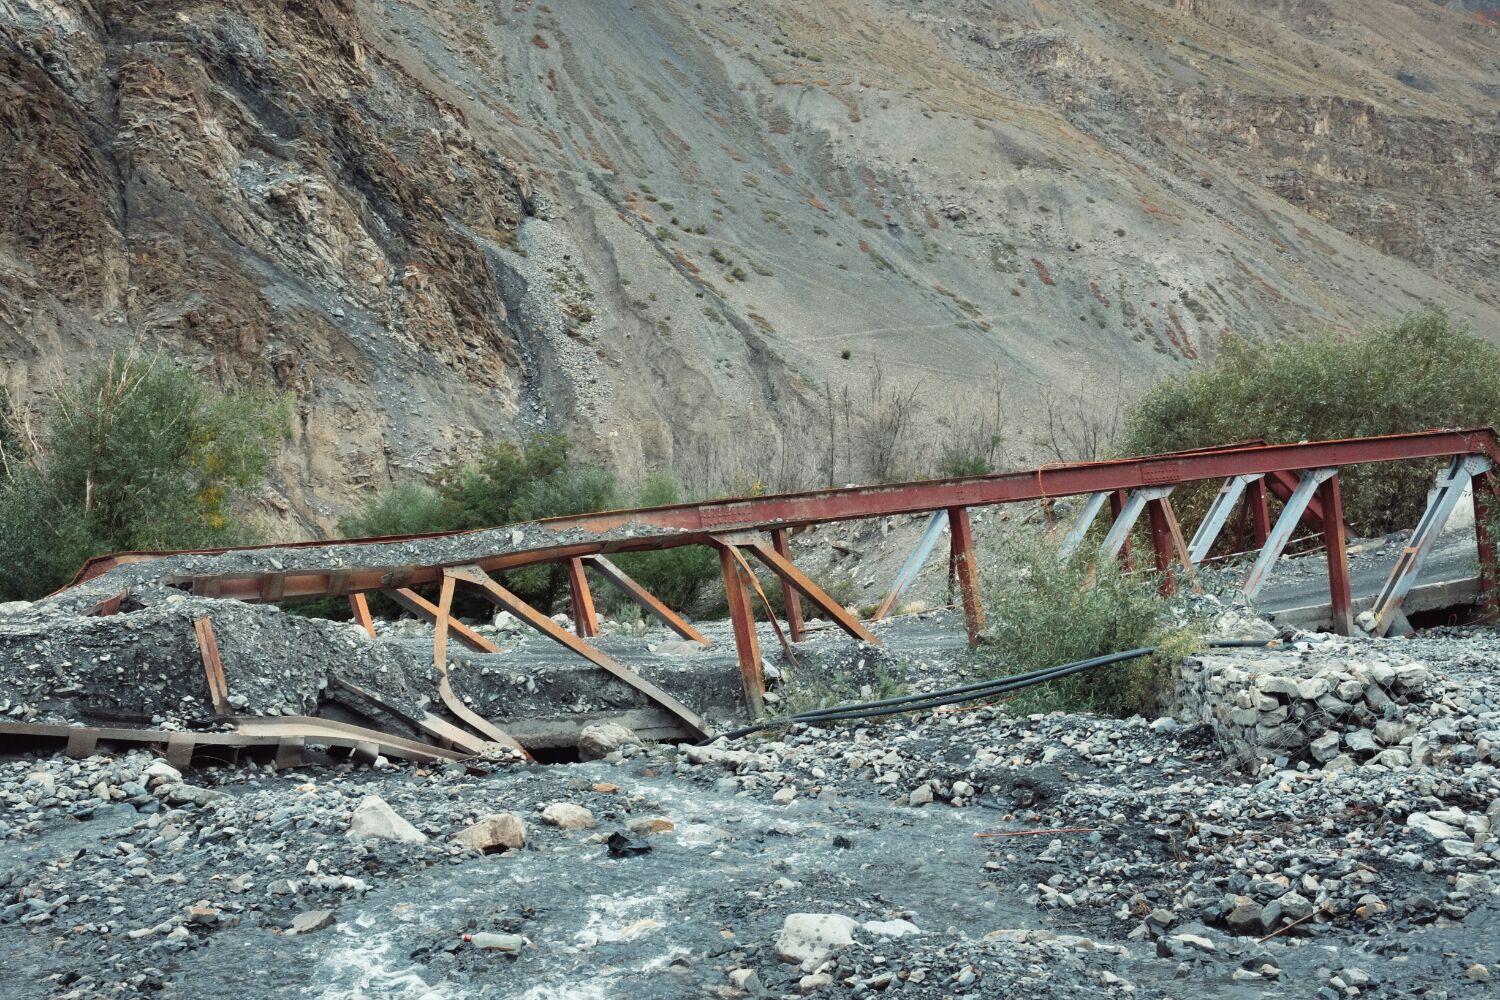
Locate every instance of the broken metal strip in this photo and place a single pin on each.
(326, 731)
(966, 568)
(1450, 487)
(249, 732)
(213, 666)
(742, 619)
(645, 599)
(542, 623)
(790, 574)
(1281, 533)
(1223, 505)
(1119, 531)
(585, 621)
(765, 602)
(442, 624)
(430, 724)
(427, 611)
(361, 609)
(907, 575)
(790, 599)
(1091, 508)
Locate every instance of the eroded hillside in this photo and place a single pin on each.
(671, 229)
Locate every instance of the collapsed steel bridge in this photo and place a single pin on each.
(1304, 477)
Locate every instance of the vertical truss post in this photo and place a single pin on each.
(742, 617)
(781, 542)
(1260, 510)
(585, 622)
(1291, 513)
(213, 666)
(1085, 520)
(647, 601)
(1167, 541)
(1117, 501)
(361, 609)
(1218, 513)
(1340, 600)
(1450, 487)
(913, 564)
(1484, 496)
(966, 567)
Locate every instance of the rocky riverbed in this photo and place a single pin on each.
(968, 852)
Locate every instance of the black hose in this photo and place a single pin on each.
(965, 692)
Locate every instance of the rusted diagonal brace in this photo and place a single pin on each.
(788, 571)
(427, 611)
(213, 666)
(913, 564)
(361, 609)
(1460, 473)
(450, 700)
(531, 616)
(644, 598)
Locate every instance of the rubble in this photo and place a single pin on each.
(1152, 860)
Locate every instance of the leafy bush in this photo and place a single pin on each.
(139, 453)
(676, 576)
(404, 509)
(1424, 371)
(1052, 613)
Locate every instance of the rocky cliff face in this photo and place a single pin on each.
(681, 232)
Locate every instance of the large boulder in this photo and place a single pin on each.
(499, 832)
(374, 819)
(812, 937)
(603, 739)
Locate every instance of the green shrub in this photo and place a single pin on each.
(139, 453)
(1050, 614)
(404, 509)
(676, 576)
(1424, 371)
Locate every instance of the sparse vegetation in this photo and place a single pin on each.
(1423, 371)
(139, 453)
(1048, 614)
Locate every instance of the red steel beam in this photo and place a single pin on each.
(648, 601)
(693, 523)
(1260, 511)
(742, 617)
(1485, 497)
(1161, 545)
(585, 621)
(794, 579)
(966, 568)
(1340, 598)
(781, 542)
(361, 609)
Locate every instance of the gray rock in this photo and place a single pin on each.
(497, 832)
(1432, 830)
(312, 920)
(373, 819)
(812, 937)
(603, 739)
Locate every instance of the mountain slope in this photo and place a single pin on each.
(684, 232)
